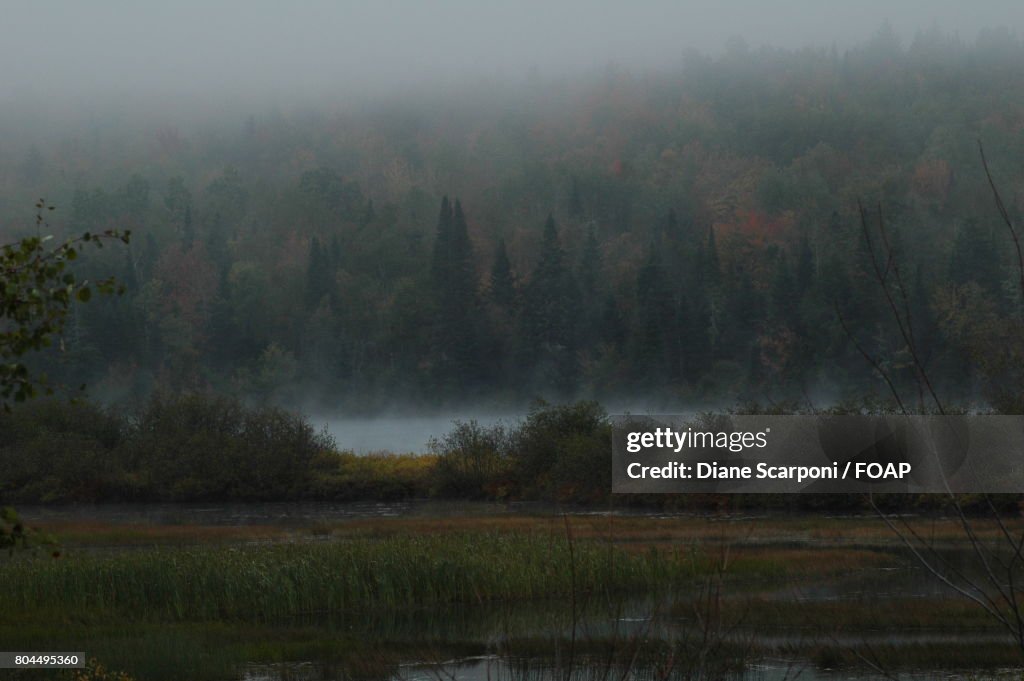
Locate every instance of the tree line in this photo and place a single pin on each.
(691, 237)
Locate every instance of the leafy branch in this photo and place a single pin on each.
(37, 290)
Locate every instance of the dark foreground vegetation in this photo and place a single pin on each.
(207, 448)
(539, 596)
(200, 447)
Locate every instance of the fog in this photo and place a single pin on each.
(280, 51)
(409, 433)
(138, 113)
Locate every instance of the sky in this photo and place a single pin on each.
(108, 47)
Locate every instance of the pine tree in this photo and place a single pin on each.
(656, 353)
(442, 246)
(550, 317)
(613, 328)
(462, 281)
(742, 314)
(319, 274)
(459, 335)
(503, 282)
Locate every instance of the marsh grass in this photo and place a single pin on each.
(285, 581)
(795, 541)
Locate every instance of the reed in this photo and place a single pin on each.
(279, 581)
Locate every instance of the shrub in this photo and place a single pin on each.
(53, 450)
(472, 459)
(564, 451)
(560, 452)
(208, 447)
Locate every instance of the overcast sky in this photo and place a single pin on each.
(188, 46)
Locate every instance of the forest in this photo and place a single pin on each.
(698, 235)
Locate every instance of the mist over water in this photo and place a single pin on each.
(404, 433)
(401, 434)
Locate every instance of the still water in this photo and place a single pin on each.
(403, 434)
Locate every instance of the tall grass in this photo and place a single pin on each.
(274, 582)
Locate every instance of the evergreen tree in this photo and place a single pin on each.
(656, 353)
(590, 276)
(550, 317)
(742, 315)
(462, 280)
(697, 335)
(459, 332)
(319, 274)
(613, 327)
(503, 282)
(442, 246)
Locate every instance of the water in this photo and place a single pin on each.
(405, 434)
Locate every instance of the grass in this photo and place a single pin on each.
(801, 533)
(280, 581)
(362, 596)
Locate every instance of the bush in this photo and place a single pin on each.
(559, 452)
(176, 448)
(52, 450)
(472, 460)
(564, 452)
(197, 447)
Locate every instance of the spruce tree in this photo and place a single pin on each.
(503, 283)
(318, 274)
(458, 336)
(550, 318)
(442, 245)
(656, 353)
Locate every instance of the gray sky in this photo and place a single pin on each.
(187, 46)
